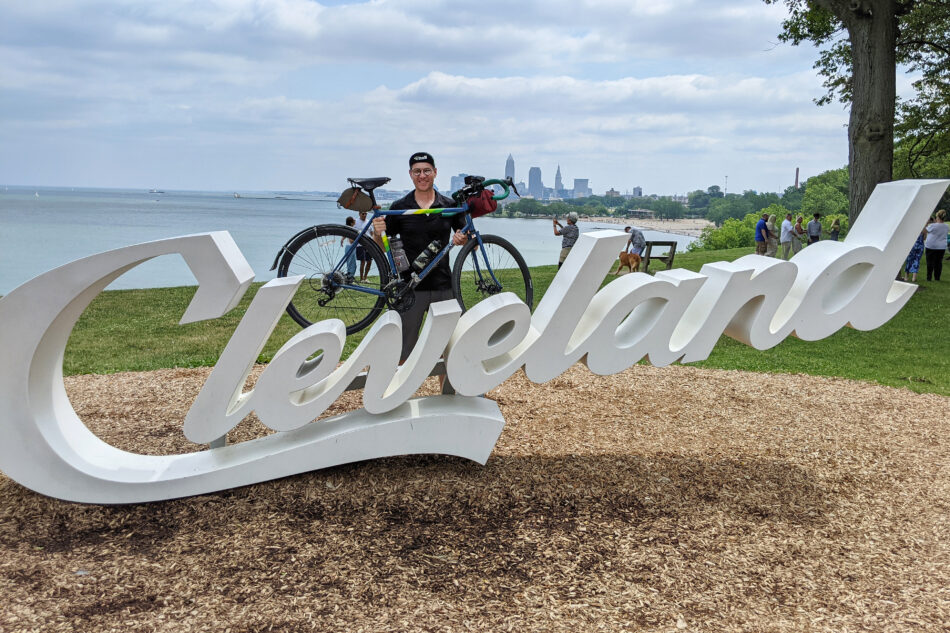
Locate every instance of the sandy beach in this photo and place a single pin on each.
(683, 226)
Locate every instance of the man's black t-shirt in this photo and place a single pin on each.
(417, 231)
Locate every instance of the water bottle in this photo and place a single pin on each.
(399, 255)
(427, 254)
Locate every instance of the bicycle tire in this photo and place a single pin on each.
(472, 283)
(314, 253)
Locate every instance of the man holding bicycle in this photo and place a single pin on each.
(417, 233)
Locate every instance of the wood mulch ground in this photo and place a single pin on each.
(673, 499)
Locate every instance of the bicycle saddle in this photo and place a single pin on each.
(369, 183)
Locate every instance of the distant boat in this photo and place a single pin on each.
(155, 191)
(237, 195)
(36, 194)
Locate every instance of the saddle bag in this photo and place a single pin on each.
(355, 199)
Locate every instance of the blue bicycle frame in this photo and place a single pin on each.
(468, 229)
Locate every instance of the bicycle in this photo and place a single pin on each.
(486, 265)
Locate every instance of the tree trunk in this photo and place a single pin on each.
(872, 29)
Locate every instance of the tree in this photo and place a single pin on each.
(668, 209)
(734, 233)
(732, 206)
(824, 199)
(698, 201)
(864, 41)
(792, 197)
(715, 192)
(836, 178)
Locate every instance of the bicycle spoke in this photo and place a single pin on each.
(319, 257)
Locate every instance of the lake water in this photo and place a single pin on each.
(42, 228)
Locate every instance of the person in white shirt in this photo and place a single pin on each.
(785, 236)
(935, 245)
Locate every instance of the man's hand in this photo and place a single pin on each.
(459, 238)
(379, 225)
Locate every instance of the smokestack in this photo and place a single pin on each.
(796, 177)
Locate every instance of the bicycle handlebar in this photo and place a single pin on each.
(507, 184)
(474, 185)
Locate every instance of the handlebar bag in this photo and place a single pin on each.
(355, 200)
(482, 203)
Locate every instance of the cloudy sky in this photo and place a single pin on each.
(297, 95)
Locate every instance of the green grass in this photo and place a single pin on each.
(137, 330)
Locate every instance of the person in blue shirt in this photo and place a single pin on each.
(762, 235)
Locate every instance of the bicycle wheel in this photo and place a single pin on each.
(472, 279)
(317, 254)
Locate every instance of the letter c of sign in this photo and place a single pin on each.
(47, 448)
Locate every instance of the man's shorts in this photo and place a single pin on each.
(361, 253)
(761, 247)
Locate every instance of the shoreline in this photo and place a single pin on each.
(692, 227)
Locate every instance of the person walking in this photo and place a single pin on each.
(786, 235)
(814, 229)
(569, 235)
(935, 245)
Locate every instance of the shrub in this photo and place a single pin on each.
(732, 234)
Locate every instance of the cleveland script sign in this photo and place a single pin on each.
(677, 315)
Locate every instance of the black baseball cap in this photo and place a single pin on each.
(421, 157)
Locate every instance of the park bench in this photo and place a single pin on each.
(667, 258)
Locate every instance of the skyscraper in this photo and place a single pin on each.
(581, 188)
(558, 185)
(510, 168)
(535, 187)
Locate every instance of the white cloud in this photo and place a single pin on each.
(299, 95)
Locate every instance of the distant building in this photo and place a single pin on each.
(581, 189)
(612, 193)
(510, 168)
(637, 192)
(458, 182)
(558, 185)
(535, 186)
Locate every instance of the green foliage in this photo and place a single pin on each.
(825, 199)
(792, 197)
(733, 233)
(668, 209)
(837, 178)
(698, 201)
(827, 221)
(777, 210)
(732, 206)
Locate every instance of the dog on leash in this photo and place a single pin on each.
(630, 260)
